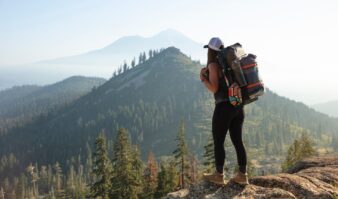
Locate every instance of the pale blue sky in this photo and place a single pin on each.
(289, 35)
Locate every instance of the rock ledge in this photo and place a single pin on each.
(310, 178)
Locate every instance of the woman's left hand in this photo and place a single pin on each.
(203, 74)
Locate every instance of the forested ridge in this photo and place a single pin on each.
(150, 99)
(21, 104)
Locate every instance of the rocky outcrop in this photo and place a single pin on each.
(311, 178)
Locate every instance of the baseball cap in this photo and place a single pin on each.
(215, 43)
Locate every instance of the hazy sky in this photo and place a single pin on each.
(295, 40)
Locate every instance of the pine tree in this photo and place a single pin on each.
(167, 179)
(6, 185)
(15, 186)
(51, 194)
(89, 164)
(150, 177)
(114, 74)
(144, 57)
(137, 170)
(162, 182)
(172, 177)
(75, 184)
(133, 63)
(209, 156)
(50, 176)
(119, 70)
(154, 53)
(125, 66)
(22, 186)
(301, 148)
(125, 182)
(192, 174)
(307, 144)
(180, 154)
(102, 169)
(140, 59)
(31, 170)
(43, 181)
(59, 192)
(81, 189)
(150, 54)
(70, 189)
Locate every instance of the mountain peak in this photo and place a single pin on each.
(172, 49)
(174, 56)
(169, 32)
(135, 44)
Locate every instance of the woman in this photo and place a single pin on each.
(226, 117)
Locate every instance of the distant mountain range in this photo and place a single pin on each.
(150, 100)
(330, 108)
(101, 63)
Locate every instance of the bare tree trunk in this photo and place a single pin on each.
(2, 193)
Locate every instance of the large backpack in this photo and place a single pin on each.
(241, 75)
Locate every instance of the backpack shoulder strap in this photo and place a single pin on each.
(224, 59)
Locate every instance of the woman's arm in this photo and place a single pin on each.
(212, 82)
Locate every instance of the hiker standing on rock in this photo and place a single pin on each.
(226, 117)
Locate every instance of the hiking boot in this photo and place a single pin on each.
(215, 177)
(241, 178)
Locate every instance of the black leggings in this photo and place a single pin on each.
(227, 117)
